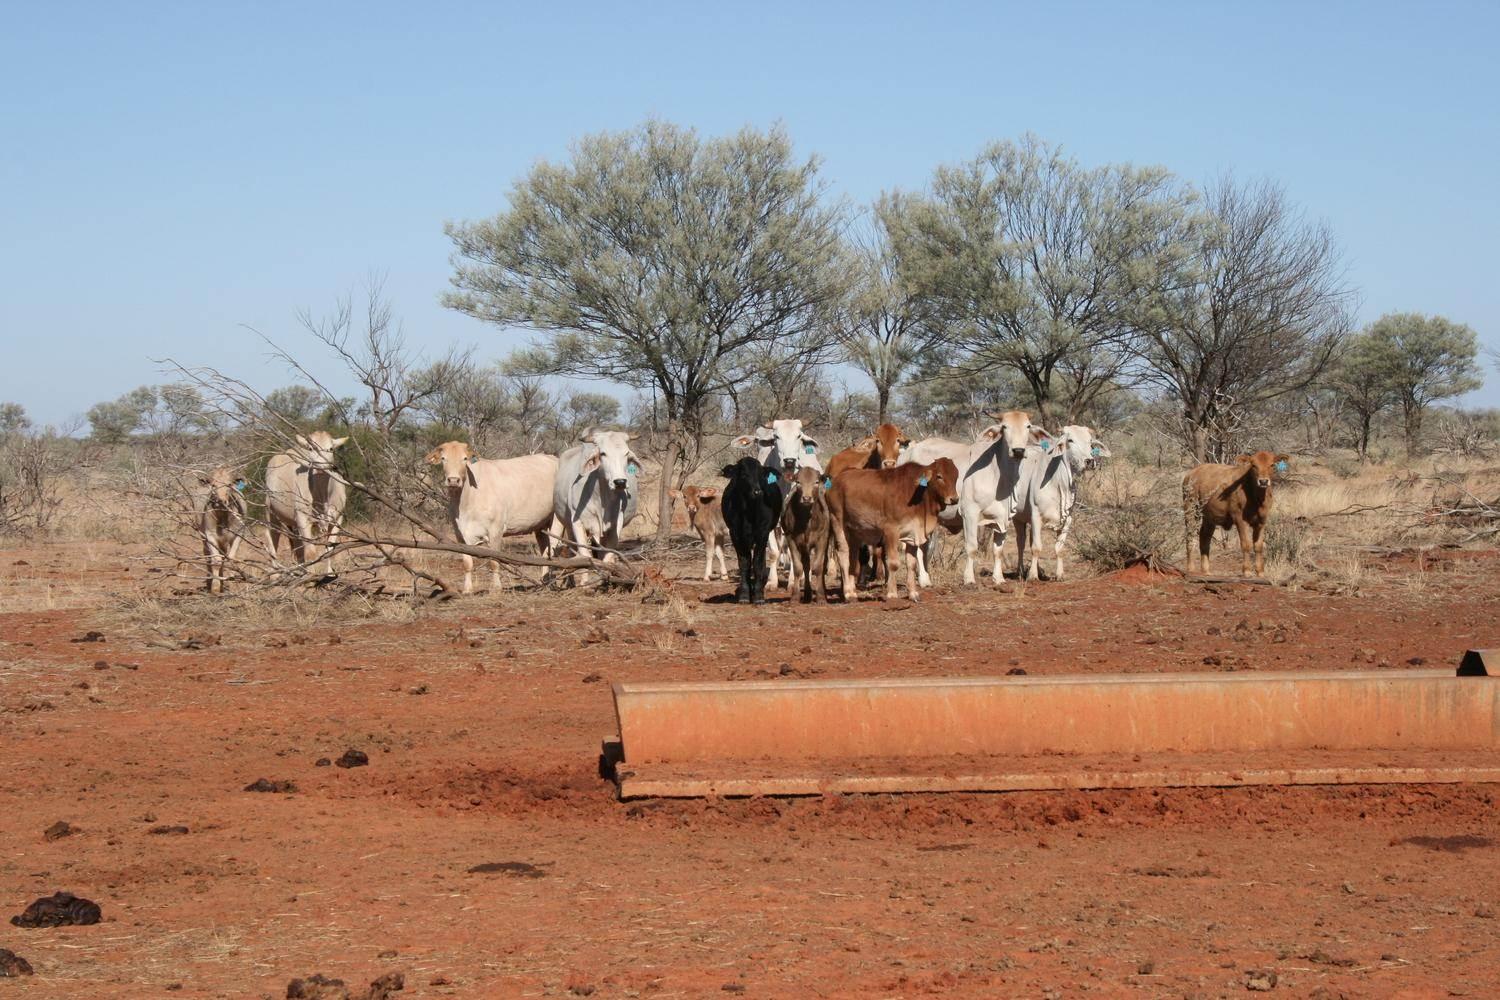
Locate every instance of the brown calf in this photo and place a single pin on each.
(1217, 496)
(804, 523)
(895, 508)
(706, 515)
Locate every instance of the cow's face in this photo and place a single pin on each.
(750, 475)
(613, 457)
(805, 486)
(888, 444)
(941, 479)
(454, 457)
(694, 498)
(1264, 465)
(782, 445)
(224, 488)
(316, 450)
(1082, 448)
(1014, 430)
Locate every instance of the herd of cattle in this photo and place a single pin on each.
(885, 497)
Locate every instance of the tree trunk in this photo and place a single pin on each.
(664, 490)
(1198, 440)
(883, 402)
(1413, 415)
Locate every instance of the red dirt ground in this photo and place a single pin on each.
(1355, 891)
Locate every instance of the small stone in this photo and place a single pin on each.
(388, 953)
(1349, 889)
(1016, 672)
(593, 678)
(267, 785)
(101, 664)
(322, 762)
(13, 965)
(1146, 968)
(419, 689)
(1484, 912)
(1417, 661)
(733, 987)
(1260, 980)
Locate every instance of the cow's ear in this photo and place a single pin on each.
(337, 442)
(1283, 459)
(675, 494)
(1243, 460)
(434, 457)
(586, 435)
(302, 441)
(903, 442)
(707, 492)
(470, 453)
(991, 433)
(744, 441)
(1040, 434)
(810, 441)
(728, 471)
(592, 462)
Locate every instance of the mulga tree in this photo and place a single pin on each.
(660, 260)
(1421, 360)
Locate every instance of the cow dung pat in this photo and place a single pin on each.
(61, 909)
(13, 965)
(59, 830)
(168, 831)
(520, 869)
(353, 758)
(319, 987)
(267, 785)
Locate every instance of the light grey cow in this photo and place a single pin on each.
(305, 497)
(1052, 471)
(993, 490)
(494, 498)
(596, 493)
(219, 503)
(784, 447)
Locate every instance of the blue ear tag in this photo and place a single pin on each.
(1046, 445)
(922, 481)
(631, 468)
(770, 477)
(240, 485)
(827, 482)
(1280, 466)
(809, 448)
(1096, 451)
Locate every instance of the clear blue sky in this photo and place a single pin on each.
(171, 172)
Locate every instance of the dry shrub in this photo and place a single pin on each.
(1125, 520)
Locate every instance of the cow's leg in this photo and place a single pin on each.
(1247, 547)
(762, 569)
(226, 557)
(1023, 528)
(997, 546)
(971, 547)
(1205, 542)
(210, 559)
(495, 582)
(708, 557)
(795, 590)
(913, 587)
(926, 552)
(892, 553)
(818, 556)
(301, 538)
(1258, 539)
(841, 548)
(723, 566)
(773, 559)
(1057, 546)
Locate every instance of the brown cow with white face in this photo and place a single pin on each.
(1218, 496)
(896, 508)
(706, 515)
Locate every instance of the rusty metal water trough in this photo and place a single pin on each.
(1096, 731)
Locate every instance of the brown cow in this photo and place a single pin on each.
(1217, 496)
(804, 523)
(878, 451)
(220, 503)
(706, 515)
(895, 508)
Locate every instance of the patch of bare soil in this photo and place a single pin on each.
(479, 854)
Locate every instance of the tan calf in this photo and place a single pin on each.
(1218, 496)
(895, 508)
(804, 523)
(221, 521)
(706, 515)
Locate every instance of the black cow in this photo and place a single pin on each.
(752, 506)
